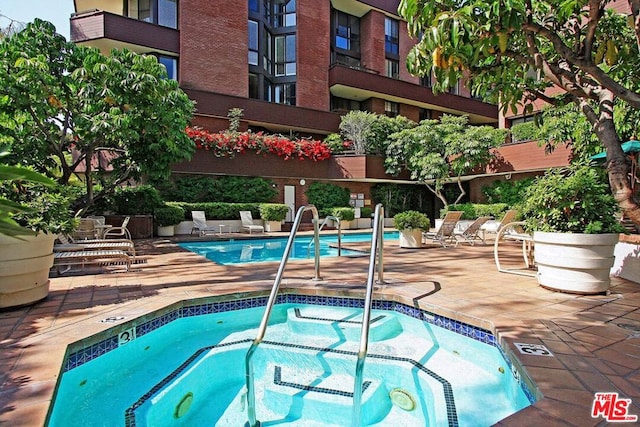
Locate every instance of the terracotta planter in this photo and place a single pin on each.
(24, 268)
(574, 262)
(411, 238)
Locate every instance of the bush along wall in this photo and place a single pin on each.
(475, 210)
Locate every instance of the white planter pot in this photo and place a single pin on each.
(410, 238)
(166, 230)
(24, 271)
(574, 262)
(272, 226)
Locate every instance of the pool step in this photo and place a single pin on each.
(309, 322)
(312, 395)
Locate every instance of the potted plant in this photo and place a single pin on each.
(345, 215)
(32, 214)
(166, 218)
(411, 224)
(273, 214)
(573, 218)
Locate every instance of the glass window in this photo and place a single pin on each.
(347, 32)
(144, 11)
(454, 89)
(426, 80)
(391, 40)
(425, 114)
(391, 109)
(392, 68)
(171, 64)
(253, 43)
(168, 13)
(285, 55)
(254, 86)
(284, 93)
(254, 6)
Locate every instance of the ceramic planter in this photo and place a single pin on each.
(272, 226)
(411, 238)
(574, 262)
(166, 230)
(24, 271)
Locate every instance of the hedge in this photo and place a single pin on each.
(475, 210)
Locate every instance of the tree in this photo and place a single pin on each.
(438, 152)
(64, 108)
(513, 52)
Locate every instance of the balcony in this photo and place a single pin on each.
(360, 84)
(106, 30)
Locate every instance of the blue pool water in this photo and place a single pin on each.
(264, 250)
(186, 368)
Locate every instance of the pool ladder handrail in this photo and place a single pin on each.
(336, 219)
(377, 245)
(251, 396)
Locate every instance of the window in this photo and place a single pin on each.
(425, 114)
(253, 43)
(391, 40)
(281, 13)
(392, 68)
(285, 55)
(346, 41)
(272, 50)
(426, 80)
(284, 93)
(455, 88)
(160, 12)
(391, 109)
(344, 105)
(171, 64)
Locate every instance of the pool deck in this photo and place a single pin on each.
(595, 340)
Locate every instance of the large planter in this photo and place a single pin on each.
(410, 238)
(574, 262)
(24, 268)
(272, 226)
(166, 230)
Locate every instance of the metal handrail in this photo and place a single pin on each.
(336, 219)
(251, 395)
(376, 244)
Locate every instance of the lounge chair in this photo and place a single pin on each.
(471, 233)
(200, 223)
(494, 227)
(247, 222)
(119, 232)
(86, 229)
(69, 244)
(79, 256)
(445, 233)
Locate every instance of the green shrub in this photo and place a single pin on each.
(411, 220)
(273, 211)
(475, 210)
(574, 200)
(344, 214)
(325, 196)
(527, 131)
(169, 214)
(232, 189)
(509, 192)
(402, 197)
(139, 200)
(366, 212)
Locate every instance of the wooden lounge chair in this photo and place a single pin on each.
(444, 234)
(471, 233)
(247, 222)
(200, 223)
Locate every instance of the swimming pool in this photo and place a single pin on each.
(184, 366)
(244, 251)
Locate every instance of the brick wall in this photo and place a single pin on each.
(372, 41)
(213, 46)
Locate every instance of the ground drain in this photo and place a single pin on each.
(629, 326)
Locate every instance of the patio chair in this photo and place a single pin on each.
(82, 257)
(119, 232)
(200, 223)
(247, 222)
(68, 244)
(445, 233)
(86, 229)
(471, 233)
(512, 231)
(494, 227)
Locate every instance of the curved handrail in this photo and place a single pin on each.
(376, 244)
(336, 219)
(251, 396)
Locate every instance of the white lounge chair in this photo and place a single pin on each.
(471, 233)
(200, 223)
(119, 232)
(445, 232)
(247, 222)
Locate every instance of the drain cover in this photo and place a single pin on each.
(629, 326)
(112, 319)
